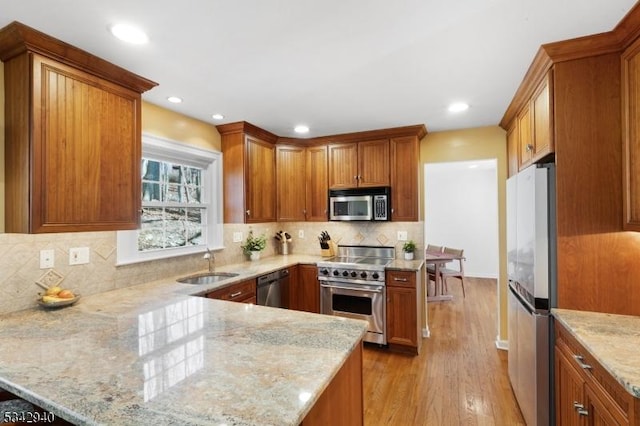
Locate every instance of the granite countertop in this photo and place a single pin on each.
(155, 354)
(612, 339)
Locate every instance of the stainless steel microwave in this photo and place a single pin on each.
(360, 204)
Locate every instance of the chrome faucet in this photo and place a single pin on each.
(211, 258)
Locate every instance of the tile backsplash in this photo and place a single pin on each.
(20, 255)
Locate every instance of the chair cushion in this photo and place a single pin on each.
(448, 271)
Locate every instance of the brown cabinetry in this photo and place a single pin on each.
(403, 311)
(586, 394)
(243, 292)
(531, 131)
(631, 136)
(249, 173)
(301, 183)
(73, 137)
(404, 178)
(361, 164)
(304, 290)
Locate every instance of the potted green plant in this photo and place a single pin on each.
(408, 248)
(254, 245)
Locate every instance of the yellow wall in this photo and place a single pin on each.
(177, 127)
(475, 144)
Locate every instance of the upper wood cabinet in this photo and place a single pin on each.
(249, 173)
(301, 183)
(291, 185)
(404, 178)
(317, 168)
(530, 133)
(631, 136)
(72, 137)
(359, 164)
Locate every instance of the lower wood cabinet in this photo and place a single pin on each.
(586, 394)
(243, 292)
(304, 289)
(342, 401)
(403, 311)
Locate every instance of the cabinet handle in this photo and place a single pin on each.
(529, 147)
(404, 280)
(580, 360)
(355, 178)
(577, 405)
(248, 212)
(236, 294)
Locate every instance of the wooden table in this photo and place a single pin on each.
(438, 259)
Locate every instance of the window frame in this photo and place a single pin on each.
(210, 161)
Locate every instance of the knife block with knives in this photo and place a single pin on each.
(327, 246)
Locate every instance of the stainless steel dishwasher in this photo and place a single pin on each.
(271, 287)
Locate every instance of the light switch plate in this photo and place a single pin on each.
(301, 233)
(78, 255)
(47, 259)
(237, 237)
(402, 235)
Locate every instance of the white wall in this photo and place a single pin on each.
(461, 211)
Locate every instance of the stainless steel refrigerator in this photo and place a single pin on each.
(531, 267)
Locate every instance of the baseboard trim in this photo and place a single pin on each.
(503, 345)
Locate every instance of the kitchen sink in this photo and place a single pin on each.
(207, 277)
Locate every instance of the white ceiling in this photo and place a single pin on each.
(335, 65)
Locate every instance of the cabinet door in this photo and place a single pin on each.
(404, 178)
(631, 136)
(512, 148)
(569, 391)
(317, 184)
(260, 179)
(543, 118)
(290, 170)
(373, 163)
(343, 165)
(525, 133)
(402, 309)
(598, 413)
(308, 289)
(86, 151)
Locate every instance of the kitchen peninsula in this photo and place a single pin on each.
(156, 354)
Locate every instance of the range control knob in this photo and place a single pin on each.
(336, 273)
(345, 273)
(325, 272)
(363, 275)
(354, 274)
(375, 276)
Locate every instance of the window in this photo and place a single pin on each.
(181, 202)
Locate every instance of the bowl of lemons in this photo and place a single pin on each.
(57, 297)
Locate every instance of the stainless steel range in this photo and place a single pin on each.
(352, 285)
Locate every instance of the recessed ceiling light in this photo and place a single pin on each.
(301, 129)
(129, 34)
(473, 166)
(174, 99)
(458, 107)
(217, 116)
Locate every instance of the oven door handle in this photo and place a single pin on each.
(360, 288)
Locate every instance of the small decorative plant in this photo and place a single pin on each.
(409, 247)
(254, 243)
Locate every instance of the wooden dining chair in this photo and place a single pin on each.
(446, 272)
(430, 269)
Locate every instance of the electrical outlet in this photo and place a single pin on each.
(78, 255)
(237, 237)
(402, 235)
(46, 259)
(301, 233)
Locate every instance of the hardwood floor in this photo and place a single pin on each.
(460, 378)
